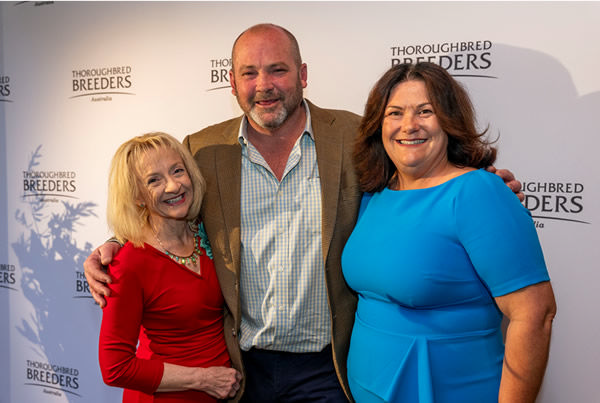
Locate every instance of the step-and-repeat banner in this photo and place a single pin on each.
(77, 79)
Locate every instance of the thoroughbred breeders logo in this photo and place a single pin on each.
(7, 276)
(47, 185)
(102, 83)
(53, 379)
(82, 289)
(5, 89)
(555, 201)
(461, 59)
(219, 73)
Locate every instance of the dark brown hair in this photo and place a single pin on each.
(452, 107)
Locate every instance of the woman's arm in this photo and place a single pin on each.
(120, 329)
(531, 311)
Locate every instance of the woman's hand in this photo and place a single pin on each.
(219, 382)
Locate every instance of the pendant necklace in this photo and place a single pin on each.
(184, 260)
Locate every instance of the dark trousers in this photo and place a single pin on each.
(276, 376)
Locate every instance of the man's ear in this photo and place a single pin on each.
(304, 75)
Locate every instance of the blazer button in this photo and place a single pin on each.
(233, 332)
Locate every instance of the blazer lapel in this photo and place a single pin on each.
(329, 145)
(221, 164)
(228, 176)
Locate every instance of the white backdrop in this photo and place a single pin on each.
(77, 79)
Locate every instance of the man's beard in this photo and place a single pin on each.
(288, 106)
(272, 123)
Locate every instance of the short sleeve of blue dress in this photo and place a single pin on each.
(498, 235)
(427, 265)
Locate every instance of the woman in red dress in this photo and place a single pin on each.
(162, 328)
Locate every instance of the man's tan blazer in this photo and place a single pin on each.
(218, 154)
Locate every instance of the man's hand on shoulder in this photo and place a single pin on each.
(95, 273)
(509, 179)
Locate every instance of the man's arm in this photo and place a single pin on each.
(95, 274)
(509, 179)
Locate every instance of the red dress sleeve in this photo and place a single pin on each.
(121, 324)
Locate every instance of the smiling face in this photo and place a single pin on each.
(166, 188)
(411, 134)
(267, 77)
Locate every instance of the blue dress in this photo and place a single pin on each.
(426, 265)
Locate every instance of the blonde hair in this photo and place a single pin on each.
(125, 217)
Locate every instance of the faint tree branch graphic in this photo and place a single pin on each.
(48, 256)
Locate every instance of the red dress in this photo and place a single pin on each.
(176, 314)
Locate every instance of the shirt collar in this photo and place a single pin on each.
(243, 132)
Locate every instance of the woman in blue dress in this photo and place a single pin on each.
(442, 250)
